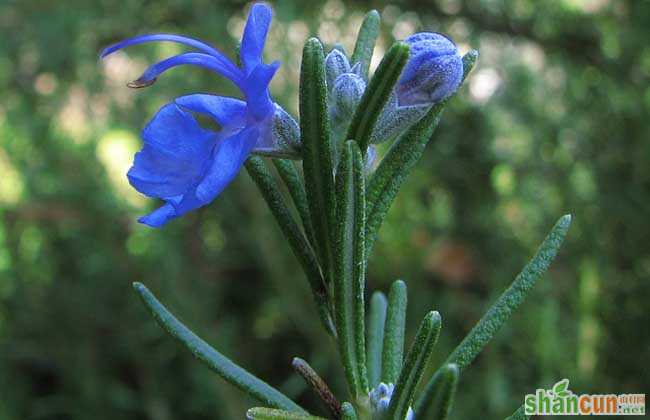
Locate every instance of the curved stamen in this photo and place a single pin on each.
(195, 59)
(191, 42)
(141, 39)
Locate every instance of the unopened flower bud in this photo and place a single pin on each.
(380, 399)
(336, 64)
(434, 70)
(345, 95)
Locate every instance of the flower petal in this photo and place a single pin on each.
(227, 160)
(160, 216)
(424, 47)
(279, 137)
(225, 110)
(434, 80)
(427, 41)
(256, 90)
(252, 44)
(175, 154)
(223, 67)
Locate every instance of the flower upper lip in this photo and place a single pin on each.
(253, 76)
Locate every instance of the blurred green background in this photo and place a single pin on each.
(554, 119)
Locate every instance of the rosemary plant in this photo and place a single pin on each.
(340, 197)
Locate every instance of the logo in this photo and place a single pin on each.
(560, 401)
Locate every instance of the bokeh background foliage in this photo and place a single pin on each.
(554, 119)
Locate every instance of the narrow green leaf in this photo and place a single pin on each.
(510, 300)
(520, 414)
(366, 39)
(318, 384)
(348, 412)
(506, 304)
(350, 268)
(258, 170)
(376, 322)
(377, 94)
(395, 167)
(317, 151)
(219, 363)
(393, 352)
(416, 362)
(263, 413)
(437, 398)
(292, 179)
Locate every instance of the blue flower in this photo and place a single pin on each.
(434, 70)
(187, 165)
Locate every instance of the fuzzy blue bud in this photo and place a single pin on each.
(345, 95)
(380, 400)
(336, 64)
(434, 70)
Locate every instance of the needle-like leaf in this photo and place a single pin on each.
(366, 40)
(510, 300)
(350, 268)
(299, 245)
(416, 362)
(393, 352)
(438, 397)
(377, 94)
(507, 303)
(376, 323)
(292, 179)
(219, 363)
(263, 413)
(315, 134)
